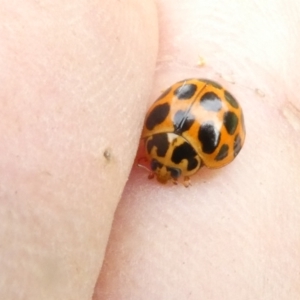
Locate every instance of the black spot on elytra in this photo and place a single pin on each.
(230, 121)
(237, 146)
(186, 91)
(211, 82)
(183, 121)
(231, 100)
(209, 136)
(157, 115)
(160, 141)
(211, 102)
(223, 152)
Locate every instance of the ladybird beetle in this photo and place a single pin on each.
(194, 123)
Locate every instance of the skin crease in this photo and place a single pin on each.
(69, 139)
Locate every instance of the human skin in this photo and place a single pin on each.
(76, 80)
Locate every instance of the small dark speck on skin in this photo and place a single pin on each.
(107, 154)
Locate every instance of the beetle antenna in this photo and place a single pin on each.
(144, 167)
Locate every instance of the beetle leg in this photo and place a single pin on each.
(187, 181)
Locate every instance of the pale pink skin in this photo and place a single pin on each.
(76, 80)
